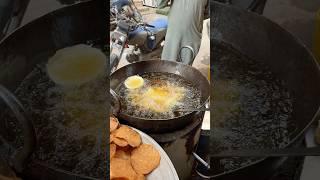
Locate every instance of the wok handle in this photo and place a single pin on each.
(185, 47)
(19, 158)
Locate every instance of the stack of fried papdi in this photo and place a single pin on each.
(130, 159)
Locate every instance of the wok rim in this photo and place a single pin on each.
(39, 18)
(312, 59)
(122, 115)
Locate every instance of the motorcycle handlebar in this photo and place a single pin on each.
(149, 25)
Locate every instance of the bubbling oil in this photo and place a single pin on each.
(70, 122)
(252, 107)
(160, 95)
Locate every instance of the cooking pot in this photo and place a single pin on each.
(79, 23)
(187, 72)
(288, 59)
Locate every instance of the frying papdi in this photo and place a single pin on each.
(120, 168)
(145, 159)
(131, 136)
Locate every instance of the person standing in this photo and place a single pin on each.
(185, 21)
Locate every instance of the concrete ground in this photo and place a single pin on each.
(202, 60)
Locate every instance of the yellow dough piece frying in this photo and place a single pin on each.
(134, 82)
(76, 65)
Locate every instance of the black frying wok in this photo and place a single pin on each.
(187, 72)
(80, 23)
(264, 42)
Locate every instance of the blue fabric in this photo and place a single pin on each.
(160, 23)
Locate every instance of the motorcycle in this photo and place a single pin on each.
(131, 30)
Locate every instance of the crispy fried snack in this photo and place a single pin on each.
(114, 123)
(129, 158)
(120, 142)
(145, 159)
(111, 138)
(140, 177)
(131, 136)
(120, 168)
(113, 149)
(121, 154)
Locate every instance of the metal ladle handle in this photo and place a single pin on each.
(200, 160)
(19, 158)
